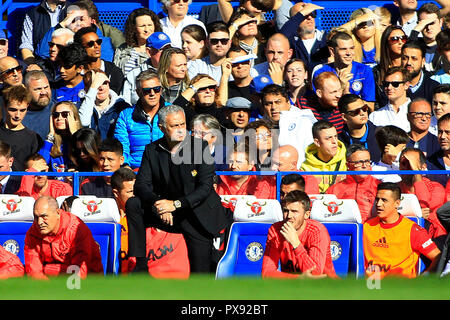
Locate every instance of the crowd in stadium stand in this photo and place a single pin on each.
(282, 95)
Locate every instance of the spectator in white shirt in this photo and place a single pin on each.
(395, 86)
(177, 19)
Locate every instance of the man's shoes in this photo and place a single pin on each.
(141, 265)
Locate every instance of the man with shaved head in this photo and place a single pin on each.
(10, 72)
(58, 240)
(285, 158)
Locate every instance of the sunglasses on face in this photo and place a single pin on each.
(156, 89)
(64, 114)
(92, 43)
(248, 22)
(312, 15)
(9, 72)
(178, 1)
(215, 41)
(396, 39)
(394, 84)
(365, 24)
(3, 42)
(52, 44)
(356, 112)
(209, 88)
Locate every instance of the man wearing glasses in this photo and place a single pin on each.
(357, 127)
(10, 72)
(419, 117)
(395, 86)
(361, 187)
(138, 126)
(177, 19)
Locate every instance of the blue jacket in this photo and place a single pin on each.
(107, 47)
(134, 131)
(59, 164)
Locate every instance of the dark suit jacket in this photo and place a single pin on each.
(443, 214)
(199, 197)
(13, 185)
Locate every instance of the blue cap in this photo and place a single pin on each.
(158, 40)
(259, 83)
(238, 103)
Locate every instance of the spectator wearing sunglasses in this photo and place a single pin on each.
(91, 42)
(22, 140)
(137, 126)
(395, 86)
(420, 116)
(71, 87)
(218, 44)
(156, 43)
(4, 43)
(84, 150)
(361, 187)
(101, 106)
(10, 72)
(308, 43)
(429, 25)
(357, 127)
(64, 122)
(177, 19)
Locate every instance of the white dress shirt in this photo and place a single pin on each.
(174, 33)
(387, 116)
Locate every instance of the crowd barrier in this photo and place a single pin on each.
(245, 248)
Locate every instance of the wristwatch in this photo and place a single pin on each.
(193, 88)
(177, 204)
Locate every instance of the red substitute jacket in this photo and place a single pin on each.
(72, 245)
(363, 192)
(262, 187)
(431, 195)
(54, 189)
(10, 265)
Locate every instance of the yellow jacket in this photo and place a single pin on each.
(337, 163)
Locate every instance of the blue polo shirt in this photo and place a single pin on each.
(64, 93)
(362, 84)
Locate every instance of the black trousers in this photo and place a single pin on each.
(198, 241)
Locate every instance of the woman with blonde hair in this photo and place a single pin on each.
(172, 73)
(364, 27)
(64, 121)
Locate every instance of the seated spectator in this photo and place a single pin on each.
(403, 241)
(324, 103)
(176, 19)
(296, 78)
(355, 77)
(442, 75)
(38, 186)
(307, 41)
(56, 228)
(441, 105)
(138, 126)
(10, 72)
(237, 112)
(110, 159)
(285, 159)
(156, 43)
(358, 128)
(217, 44)
(440, 160)
(262, 187)
(297, 243)
(391, 141)
(41, 104)
(291, 182)
(261, 134)
(413, 61)
(64, 122)
(50, 65)
(194, 42)
(71, 87)
(238, 66)
(419, 117)
(10, 265)
(140, 24)
(22, 140)
(84, 150)
(395, 86)
(326, 153)
(92, 44)
(4, 44)
(361, 187)
(431, 194)
(200, 98)
(80, 14)
(277, 52)
(101, 106)
(9, 184)
(173, 73)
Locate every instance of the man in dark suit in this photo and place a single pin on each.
(8, 184)
(174, 192)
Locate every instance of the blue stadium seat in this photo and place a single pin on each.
(245, 250)
(12, 236)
